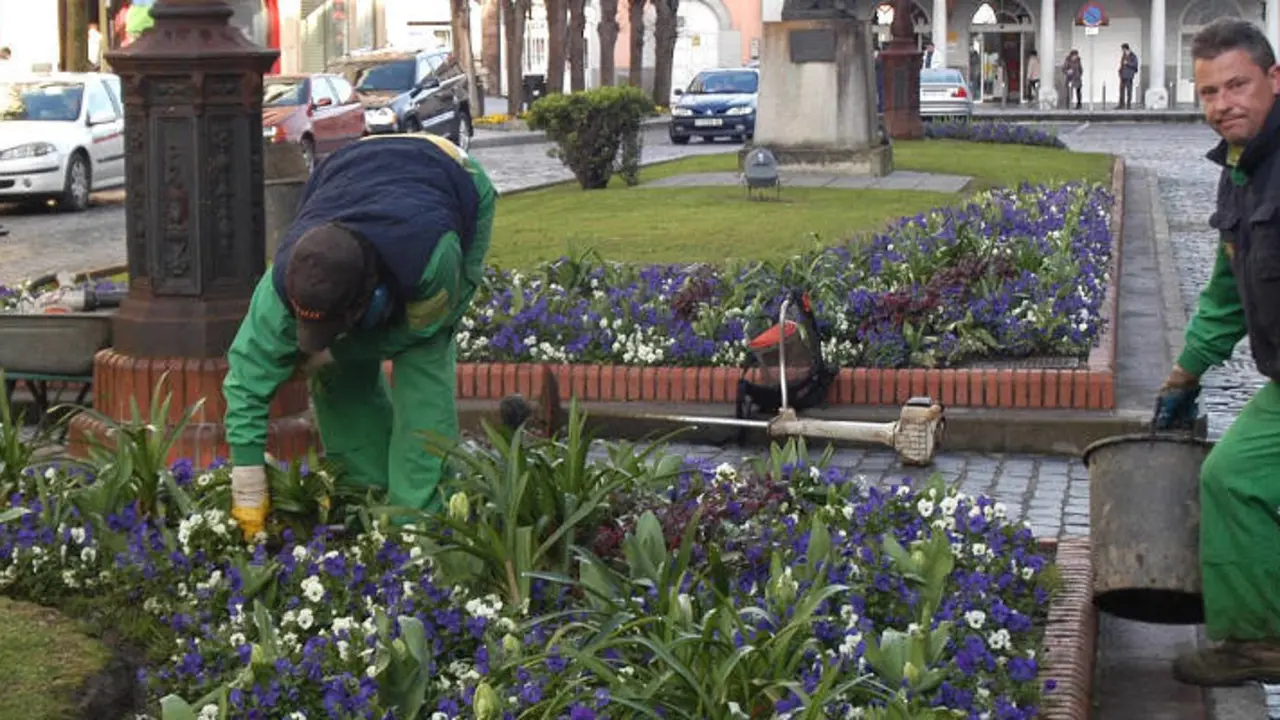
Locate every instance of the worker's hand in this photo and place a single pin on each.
(1176, 407)
(250, 501)
(317, 362)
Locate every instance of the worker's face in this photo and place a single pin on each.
(1236, 94)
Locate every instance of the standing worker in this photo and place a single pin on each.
(1237, 79)
(383, 259)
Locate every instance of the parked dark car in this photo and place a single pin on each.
(319, 112)
(410, 92)
(718, 103)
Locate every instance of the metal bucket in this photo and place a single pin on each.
(1144, 507)
(285, 176)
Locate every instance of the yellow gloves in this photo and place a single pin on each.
(250, 501)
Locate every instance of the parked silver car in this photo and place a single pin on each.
(945, 94)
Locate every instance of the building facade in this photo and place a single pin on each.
(991, 41)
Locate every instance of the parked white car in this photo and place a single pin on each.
(61, 137)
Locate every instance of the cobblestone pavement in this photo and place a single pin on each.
(42, 240)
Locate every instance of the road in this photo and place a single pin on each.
(43, 240)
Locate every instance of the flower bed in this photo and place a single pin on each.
(640, 585)
(987, 131)
(1014, 274)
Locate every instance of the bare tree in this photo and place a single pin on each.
(491, 45)
(557, 23)
(514, 15)
(460, 24)
(608, 33)
(577, 46)
(635, 12)
(665, 32)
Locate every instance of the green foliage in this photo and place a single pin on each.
(596, 132)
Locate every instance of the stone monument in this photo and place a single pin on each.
(818, 57)
(902, 62)
(194, 227)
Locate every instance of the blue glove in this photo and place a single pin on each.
(1176, 408)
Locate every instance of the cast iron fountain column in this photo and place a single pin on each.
(901, 62)
(195, 222)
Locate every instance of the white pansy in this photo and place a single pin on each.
(975, 619)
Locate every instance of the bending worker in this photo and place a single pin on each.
(1237, 79)
(384, 257)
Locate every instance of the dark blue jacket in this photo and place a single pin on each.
(402, 194)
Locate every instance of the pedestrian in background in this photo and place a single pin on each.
(1237, 81)
(1033, 76)
(1128, 70)
(1073, 71)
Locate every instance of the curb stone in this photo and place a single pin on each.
(510, 138)
(1071, 634)
(1175, 315)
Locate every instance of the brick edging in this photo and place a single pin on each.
(1092, 388)
(1070, 640)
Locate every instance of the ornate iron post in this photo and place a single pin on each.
(901, 62)
(194, 219)
(193, 144)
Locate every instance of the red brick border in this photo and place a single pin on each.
(1070, 641)
(1092, 388)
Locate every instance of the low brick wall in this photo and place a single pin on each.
(1071, 636)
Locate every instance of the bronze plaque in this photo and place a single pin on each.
(809, 46)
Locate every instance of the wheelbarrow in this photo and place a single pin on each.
(1144, 513)
(915, 436)
(56, 347)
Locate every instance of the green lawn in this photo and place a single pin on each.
(44, 660)
(714, 224)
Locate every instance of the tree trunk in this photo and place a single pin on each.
(460, 24)
(577, 47)
(665, 32)
(635, 11)
(556, 29)
(76, 38)
(514, 13)
(491, 45)
(608, 32)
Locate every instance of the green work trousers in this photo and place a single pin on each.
(377, 433)
(1240, 524)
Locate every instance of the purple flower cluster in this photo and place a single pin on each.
(317, 625)
(987, 131)
(1015, 273)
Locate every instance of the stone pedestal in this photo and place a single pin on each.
(194, 222)
(824, 66)
(1048, 97)
(1156, 98)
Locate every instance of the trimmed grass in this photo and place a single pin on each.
(715, 224)
(44, 660)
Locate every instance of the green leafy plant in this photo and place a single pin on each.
(596, 132)
(517, 508)
(131, 461)
(20, 447)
